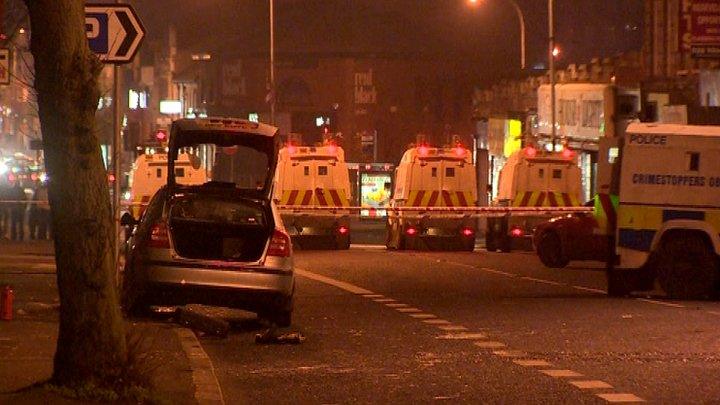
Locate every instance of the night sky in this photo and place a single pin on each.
(485, 35)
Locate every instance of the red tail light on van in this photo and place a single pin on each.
(280, 245)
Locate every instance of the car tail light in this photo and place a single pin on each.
(343, 230)
(516, 232)
(159, 237)
(280, 245)
(468, 232)
(411, 231)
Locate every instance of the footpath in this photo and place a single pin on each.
(27, 343)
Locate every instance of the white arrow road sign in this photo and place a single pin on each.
(114, 31)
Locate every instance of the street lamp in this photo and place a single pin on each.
(521, 18)
(551, 63)
(272, 62)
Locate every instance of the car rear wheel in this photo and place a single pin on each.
(550, 251)
(687, 267)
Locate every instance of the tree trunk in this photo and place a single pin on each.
(91, 345)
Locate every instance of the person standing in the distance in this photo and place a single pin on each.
(4, 209)
(33, 214)
(17, 211)
(43, 212)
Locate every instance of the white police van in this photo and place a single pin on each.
(667, 224)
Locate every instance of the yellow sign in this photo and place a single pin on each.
(513, 137)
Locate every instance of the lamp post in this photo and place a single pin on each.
(272, 62)
(551, 63)
(521, 19)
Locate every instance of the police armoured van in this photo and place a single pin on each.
(317, 177)
(667, 222)
(532, 178)
(150, 173)
(429, 177)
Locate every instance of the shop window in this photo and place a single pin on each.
(592, 113)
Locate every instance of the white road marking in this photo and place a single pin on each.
(500, 272)
(436, 322)
(452, 328)
(509, 353)
(383, 300)
(532, 363)
(590, 384)
(714, 312)
(336, 283)
(367, 247)
(618, 398)
(397, 305)
(490, 345)
(462, 336)
(561, 373)
(588, 289)
(423, 316)
(539, 280)
(417, 314)
(663, 303)
(409, 310)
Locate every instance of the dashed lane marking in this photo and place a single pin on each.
(383, 300)
(409, 310)
(397, 305)
(490, 344)
(663, 303)
(509, 353)
(561, 373)
(436, 322)
(483, 344)
(619, 398)
(423, 316)
(532, 363)
(590, 384)
(452, 328)
(337, 283)
(463, 336)
(714, 312)
(494, 271)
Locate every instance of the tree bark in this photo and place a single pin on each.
(91, 345)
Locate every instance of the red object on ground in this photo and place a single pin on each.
(6, 303)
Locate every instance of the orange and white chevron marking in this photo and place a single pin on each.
(424, 198)
(545, 199)
(319, 197)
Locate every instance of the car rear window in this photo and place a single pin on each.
(216, 210)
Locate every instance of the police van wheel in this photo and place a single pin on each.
(490, 244)
(342, 242)
(687, 267)
(550, 251)
(505, 244)
(617, 284)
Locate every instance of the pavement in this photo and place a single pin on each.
(27, 343)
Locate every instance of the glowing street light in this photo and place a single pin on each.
(521, 18)
(555, 52)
